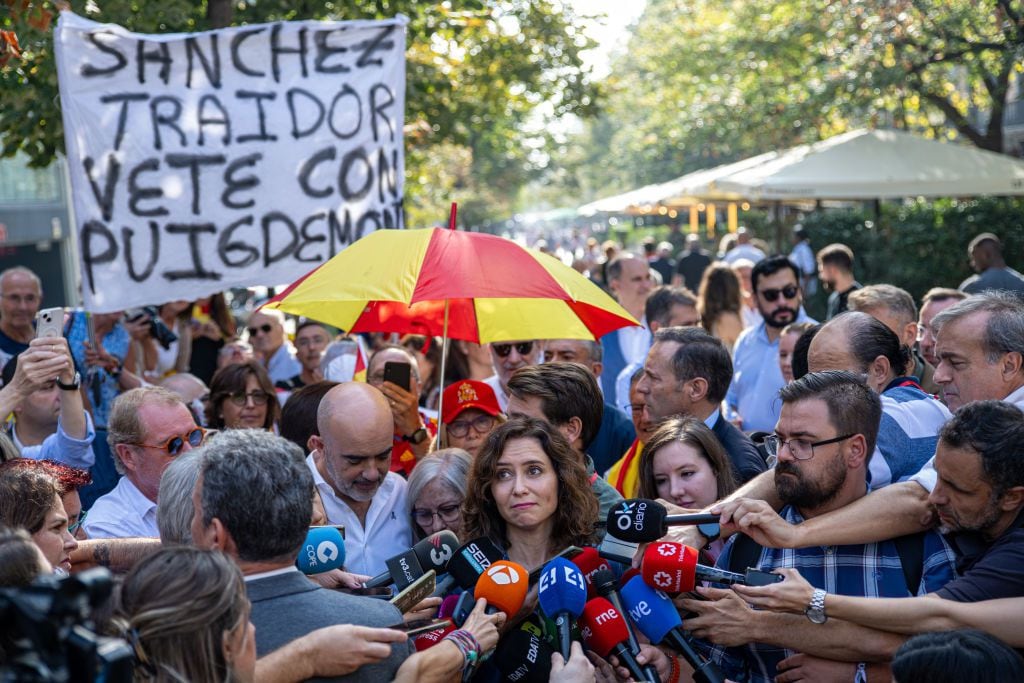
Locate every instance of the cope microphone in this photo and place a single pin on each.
(641, 520)
(503, 585)
(471, 559)
(322, 551)
(658, 619)
(433, 552)
(607, 587)
(523, 657)
(589, 563)
(673, 568)
(562, 595)
(605, 632)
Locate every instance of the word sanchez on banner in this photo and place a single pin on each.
(231, 158)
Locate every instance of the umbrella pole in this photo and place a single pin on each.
(442, 433)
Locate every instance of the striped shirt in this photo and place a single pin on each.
(907, 433)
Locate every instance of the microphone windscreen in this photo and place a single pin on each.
(471, 559)
(436, 551)
(590, 563)
(322, 551)
(604, 582)
(671, 567)
(404, 568)
(652, 611)
(523, 657)
(637, 520)
(627, 575)
(602, 626)
(432, 638)
(562, 588)
(447, 607)
(503, 585)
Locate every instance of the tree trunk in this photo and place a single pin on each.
(219, 13)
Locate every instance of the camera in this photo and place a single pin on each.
(47, 632)
(157, 329)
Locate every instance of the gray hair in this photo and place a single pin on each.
(450, 465)
(20, 270)
(898, 301)
(174, 513)
(1004, 331)
(257, 484)
(123, 423)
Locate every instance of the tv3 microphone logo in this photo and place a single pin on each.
(574, 578)
(440, 553)
(630, 514)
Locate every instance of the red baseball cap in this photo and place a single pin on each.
(468, 393)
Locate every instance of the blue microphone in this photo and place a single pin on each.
(322, 551)
(562, 595)
(656, 616)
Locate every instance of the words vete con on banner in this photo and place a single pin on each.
(231, 158)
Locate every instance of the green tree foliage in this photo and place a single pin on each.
(476, 71)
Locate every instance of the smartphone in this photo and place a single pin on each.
(383, 592)
(421, 626)
(399, 374)
(50, 322)
(569, 553)
(415, 592)
(756, 577)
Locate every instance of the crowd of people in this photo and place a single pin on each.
(874, 461)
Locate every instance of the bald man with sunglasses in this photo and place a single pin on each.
(148, 427)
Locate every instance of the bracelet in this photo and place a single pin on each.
(862, 675)
(674, 673)
(467, 644)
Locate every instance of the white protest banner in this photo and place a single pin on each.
(231, 158)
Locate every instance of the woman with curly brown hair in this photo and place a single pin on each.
(720, 303)
(529, 492)
(242, 397)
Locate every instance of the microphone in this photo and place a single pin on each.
(605, 632)
(432, 638)
(433, 552)
(673, 568)
(503, 585)
(447, 607)
(438, 552)
(641, 520)
(322, 551)
(658, 619)
(589, 562)
(608, 588)
(523, 657)
(562, 595)
(471, 559)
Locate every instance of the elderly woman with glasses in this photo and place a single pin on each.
(470, 413)
(242, 397)
(437, 487)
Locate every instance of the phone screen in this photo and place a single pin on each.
(398, 374)
(420, 626)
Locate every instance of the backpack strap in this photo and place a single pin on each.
(745, 553)
(910, 548)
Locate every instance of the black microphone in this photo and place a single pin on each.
(641, 520)
(523, 657)
(471, 559)
(606, 586)
(433, 552)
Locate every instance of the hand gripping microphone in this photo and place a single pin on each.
(523, 657)
(673, 568)
(640, 520)
(471, 559)
(607, 587)
(589, 563)
(322, 551)
(605, 632)
(503, 585)
(433, 552)
(562, 595)
(658, 619)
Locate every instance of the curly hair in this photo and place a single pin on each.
(577, 505)
(231, 379)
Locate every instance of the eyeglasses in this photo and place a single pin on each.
(522, 348)
(173, 445)
(72, 528)
(446, 513)
(800, 449)
(265, 328)
(481, 424)
(259, 398)
(788, 292)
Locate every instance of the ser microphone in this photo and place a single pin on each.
(322, 551)
(673, 568)
(562, 595)
(589, 563)
(606, 632)
(433, 552)
(523, 657)
(641, 520)
(503, 585)
(607, 587)
(471, 559)
(657, 618)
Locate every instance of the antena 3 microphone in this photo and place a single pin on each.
(641, 520)
(562, 595)
(673, 568)
(322, 551)
(503, 585)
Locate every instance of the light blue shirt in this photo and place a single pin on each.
(60, 447)
(283, 364)
(756, 378)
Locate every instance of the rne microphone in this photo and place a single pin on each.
(607, 587)
(471, 559)
(433, 552)
(673, 568)
(589, 563)
(322, 551)
(562, 595)
(605, 632)
(641, 520)
(503, 585)
(656, 616)
(523, 657)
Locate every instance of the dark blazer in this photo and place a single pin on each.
(288, 606)
(613, 439)
(747, 462)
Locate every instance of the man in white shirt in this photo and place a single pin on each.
(629, 278)
(148, 427)
(350, 463)
(508, 357)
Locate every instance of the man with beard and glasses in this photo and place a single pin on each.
(835, 267)
(752, 396)
(822, 443)
(351, 462)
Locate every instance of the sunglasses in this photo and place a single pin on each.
(522, 348)
(259, 398)
(265, 328)
(788, 292)
(173, 445)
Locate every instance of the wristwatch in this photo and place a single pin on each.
(417, 437)
(73, 386)
(816, 609)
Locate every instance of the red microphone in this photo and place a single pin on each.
(604, 631)
(503, 585)
(590, 562)
(432, 638)
(673, 568)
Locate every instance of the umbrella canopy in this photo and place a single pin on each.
(496, 290)
(877, 164)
